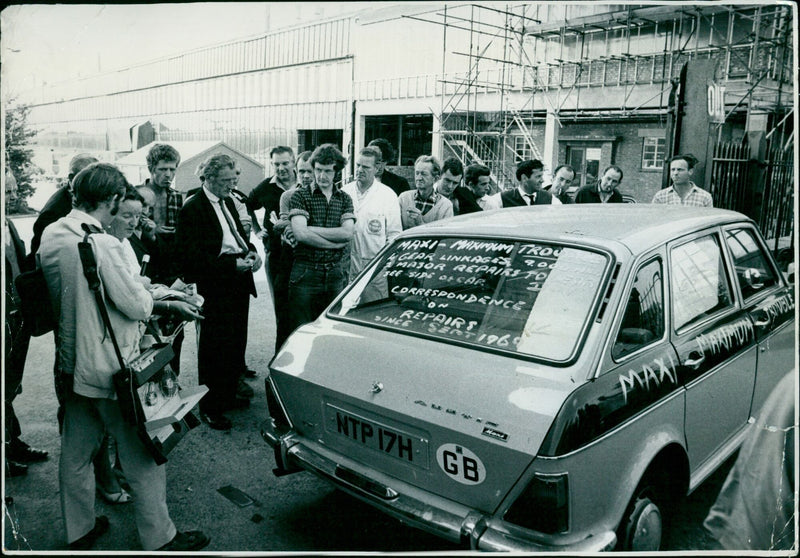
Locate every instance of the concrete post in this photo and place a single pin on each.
(551, 133)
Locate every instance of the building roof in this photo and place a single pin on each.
(637, 227)
(187, 149)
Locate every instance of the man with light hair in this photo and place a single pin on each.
(162, 163)
(216, 255)
(424, 204)
(377, 212)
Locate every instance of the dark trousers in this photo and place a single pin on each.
(312, 287)
(279, 270)
(222, 344)
(16, 340)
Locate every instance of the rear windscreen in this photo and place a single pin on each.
(524, 297)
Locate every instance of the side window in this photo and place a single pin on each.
(643, 321)
(753, 271)
(699, 282)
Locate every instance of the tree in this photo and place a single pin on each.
(19, 156)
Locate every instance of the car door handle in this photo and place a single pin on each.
(694, 363)
(763, 321)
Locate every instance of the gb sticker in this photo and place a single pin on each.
(460, 464)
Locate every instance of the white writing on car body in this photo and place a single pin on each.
(649, 376)
(728, 337)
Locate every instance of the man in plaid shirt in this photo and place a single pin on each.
(323, 221)
(683, 191)
(162, 162)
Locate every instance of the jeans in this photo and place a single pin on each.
(312, 287)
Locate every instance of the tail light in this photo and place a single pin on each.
(543, 506)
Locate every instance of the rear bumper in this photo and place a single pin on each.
(436, 515)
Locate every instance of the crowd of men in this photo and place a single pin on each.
(318, 234)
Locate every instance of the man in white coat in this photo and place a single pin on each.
(377, 213)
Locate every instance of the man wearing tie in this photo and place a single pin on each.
(216, 256)
(529, 191)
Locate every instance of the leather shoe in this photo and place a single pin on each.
(250, 373)
(87, 541)
(16, 469)
(243, 390)
(185, 541)
(217, 421)
(21, 452)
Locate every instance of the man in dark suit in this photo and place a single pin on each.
(605, 191)
(397, 183)
(216, 255)
(58, 205)
(529, 191)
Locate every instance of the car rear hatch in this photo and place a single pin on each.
(460, 423)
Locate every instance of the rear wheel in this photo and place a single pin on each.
(643, 525)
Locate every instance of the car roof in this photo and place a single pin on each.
(638, 227)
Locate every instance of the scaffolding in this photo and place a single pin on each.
(499, 63)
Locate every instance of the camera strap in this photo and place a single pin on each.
(90, 271)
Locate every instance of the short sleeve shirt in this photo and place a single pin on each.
(697, 197)
(319, 212)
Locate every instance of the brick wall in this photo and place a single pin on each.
(622, 146)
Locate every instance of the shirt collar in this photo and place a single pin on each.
(525, 194)
(431, 198)
(211, 197)
(84, 217)
(692, 187)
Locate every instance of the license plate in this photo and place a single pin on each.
(378, 437)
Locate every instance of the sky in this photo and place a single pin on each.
(44, 44)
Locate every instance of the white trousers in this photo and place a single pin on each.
(85, 422)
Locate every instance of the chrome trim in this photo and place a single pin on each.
(449, 520)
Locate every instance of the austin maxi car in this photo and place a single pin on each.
(546, 378)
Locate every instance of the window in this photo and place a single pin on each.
(522, 149)
(753, 271)
(522, 297)
(699, 283)
(643, 322)
(653, 153)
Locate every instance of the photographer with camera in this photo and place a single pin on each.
(86, 355)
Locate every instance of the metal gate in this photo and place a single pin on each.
(762, 190)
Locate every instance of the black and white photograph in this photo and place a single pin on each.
(429, 278)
